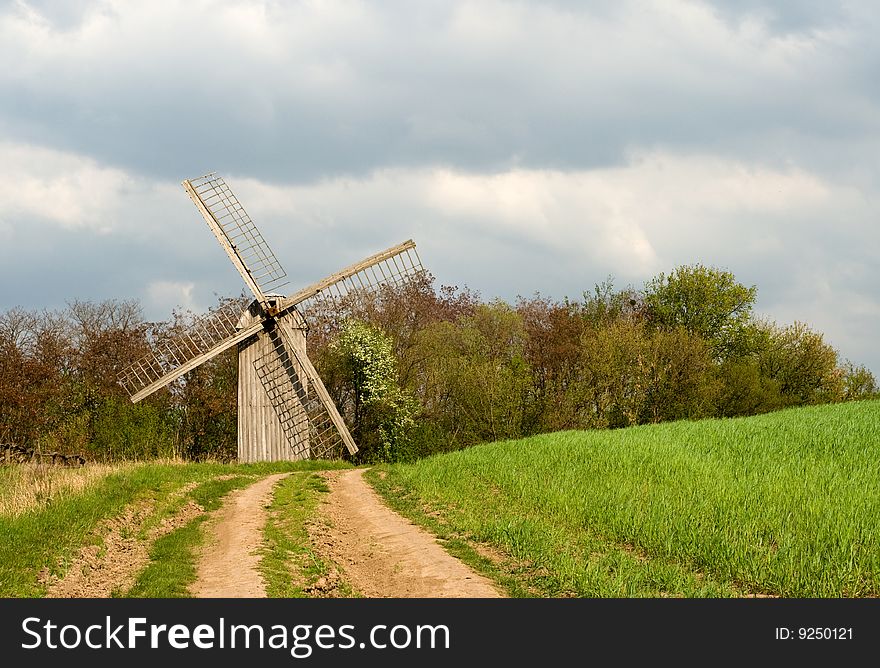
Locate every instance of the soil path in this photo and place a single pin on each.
(382, 555)
(228, 565)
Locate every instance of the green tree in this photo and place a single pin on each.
(744, 390)
(606, 305)
(708, 303)
(802, 364)
(474, 380)
(611, 389)
(632, 375)
(858, 382)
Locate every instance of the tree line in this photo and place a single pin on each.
(418, 370)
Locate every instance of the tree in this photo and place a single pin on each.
(803, 365)
(363, 374)
(744, 390)
(474, 379)
(107, 336)
(606, 305)
(858, 382)
(708, 303)
(611, 388)
(632, 375)
(552, 334)
(58, 387)
(400, 311)
(33, 356)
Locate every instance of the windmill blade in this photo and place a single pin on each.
(237, 234)
(308, 416)
(393, 267)
(205, 338)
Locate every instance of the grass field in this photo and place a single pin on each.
(783, 504)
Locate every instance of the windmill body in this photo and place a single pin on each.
(260, 434)
(284, 410)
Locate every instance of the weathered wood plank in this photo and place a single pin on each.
(260, 434)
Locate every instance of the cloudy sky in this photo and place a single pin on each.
(525, 146)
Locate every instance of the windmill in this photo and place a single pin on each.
(284, 410)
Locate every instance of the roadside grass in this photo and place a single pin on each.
(783, 504)
(290, 566)
(46, 537)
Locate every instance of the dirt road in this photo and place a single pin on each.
(375, 551)
(381, 554)
(228, 565)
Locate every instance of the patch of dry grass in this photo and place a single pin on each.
(26, 487)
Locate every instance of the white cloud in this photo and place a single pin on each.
(66, 189)
(633, 220)
(165, 296)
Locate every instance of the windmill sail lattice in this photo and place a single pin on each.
(270, 335)
(309, 421)
(237, 234)
(393, 268)
(183, 350)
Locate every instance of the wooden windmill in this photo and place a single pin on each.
(284, 410)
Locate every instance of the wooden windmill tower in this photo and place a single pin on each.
(284, 410)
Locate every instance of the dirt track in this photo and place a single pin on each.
(100, 570)
(228, 565)
(377, 552)
(383, 555)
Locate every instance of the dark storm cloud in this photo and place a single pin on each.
(480, 85)
(787, 15)
(527, 146)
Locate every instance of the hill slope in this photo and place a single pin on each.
(781, 504)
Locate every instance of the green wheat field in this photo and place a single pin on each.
(784, 504)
